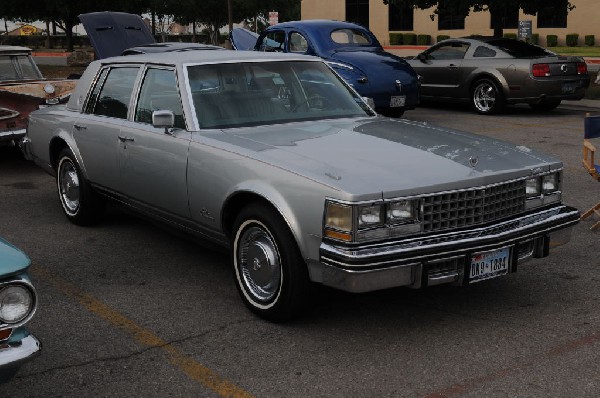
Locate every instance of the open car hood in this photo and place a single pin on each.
(243, 39)
(112, 32)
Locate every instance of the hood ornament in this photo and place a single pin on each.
(473, 160)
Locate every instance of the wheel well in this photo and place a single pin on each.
(235, 204)
(486, 76)
(56, 146)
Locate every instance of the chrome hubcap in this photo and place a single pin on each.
(68, 184)
(484, 97)
(259, 264)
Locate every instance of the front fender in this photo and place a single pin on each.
(282, 204)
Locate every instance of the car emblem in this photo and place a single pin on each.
(399, 84)
(564, 68)
(473, 160)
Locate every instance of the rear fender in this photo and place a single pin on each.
(484, 73)
(63, 139)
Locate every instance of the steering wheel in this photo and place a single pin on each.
(313, 101)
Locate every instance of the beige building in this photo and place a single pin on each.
(382, 19)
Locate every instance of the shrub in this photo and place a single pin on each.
(590, 40)
(396, 39)
(424, 40)
(510, 35)
(551, 41)
(439, 38)
(572, 40)
(410, 39)
(535, 38)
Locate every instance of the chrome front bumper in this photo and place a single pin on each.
(11, 136)
(440, 258)
(13, 355)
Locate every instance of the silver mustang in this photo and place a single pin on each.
(277, 158)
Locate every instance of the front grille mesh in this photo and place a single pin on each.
(471, 207)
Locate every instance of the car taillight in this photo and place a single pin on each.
(581, 68)
(540, 70)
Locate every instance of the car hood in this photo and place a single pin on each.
(111, 33)
(243, 39)
(378, 157)
(374, 61)
(12, 260)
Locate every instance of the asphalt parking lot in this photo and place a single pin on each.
(129, 309)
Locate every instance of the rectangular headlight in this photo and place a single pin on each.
(370, 216)
(338, 216)
(550, 183)
(533, 187)
(402, 211)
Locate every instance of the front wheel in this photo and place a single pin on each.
(270, 274)
(80, 203)
(487, 97)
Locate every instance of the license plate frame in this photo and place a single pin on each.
(397, 101)
(569, 87)
(489, 264)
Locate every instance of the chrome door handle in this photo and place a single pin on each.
(126, 139)
(452, 66)
(80, 127)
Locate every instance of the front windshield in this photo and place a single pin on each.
(255, 93)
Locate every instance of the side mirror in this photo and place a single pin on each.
(422, 57)
(164, 119)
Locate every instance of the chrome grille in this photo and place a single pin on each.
(471, 207)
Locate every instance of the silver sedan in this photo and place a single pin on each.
(277, 158)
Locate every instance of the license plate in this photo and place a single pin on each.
(569, 88)
(489, 265)
(397, 101)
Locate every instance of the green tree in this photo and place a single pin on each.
(213, 13)
(497, 8)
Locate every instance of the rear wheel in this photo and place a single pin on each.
(270, 274)
(545, 105)
(80, 203)
(487, 97)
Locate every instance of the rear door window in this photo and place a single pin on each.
(115, 95)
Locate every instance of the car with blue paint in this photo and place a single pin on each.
(351, 50)
(18, 303)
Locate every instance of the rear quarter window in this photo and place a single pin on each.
(484, 52)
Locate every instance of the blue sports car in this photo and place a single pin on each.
(351, 50)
